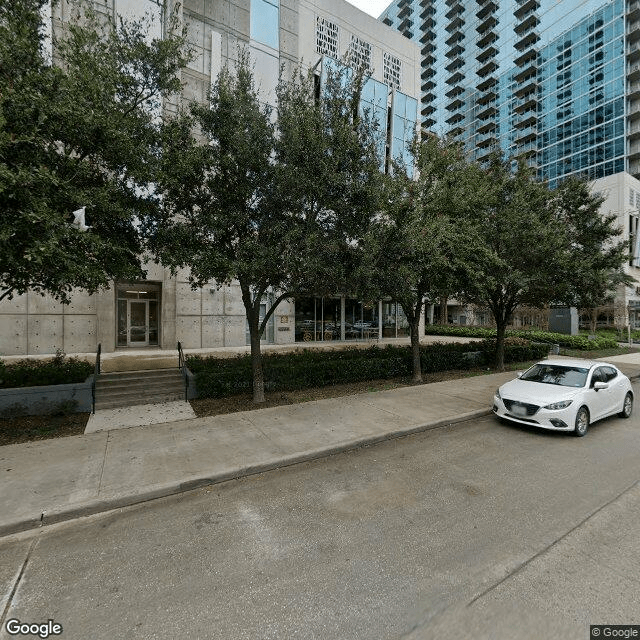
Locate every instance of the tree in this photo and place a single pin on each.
(81, 133)
(523, 246)
(415, 249)
(269, 206)
(594, 266)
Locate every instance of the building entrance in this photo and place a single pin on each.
(138, 315)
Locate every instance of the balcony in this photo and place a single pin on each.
(486, 126)
(427, 110)
(428, 96)
(526, 25)
(633, 90)
(633, 71)
(491, 52)
(634, 151)
(525, 7)
(488, 38)
(456, 63)
(527, 41)
(455, 25)
(633, 31)
(428, 25)
(387, 20)
(487, 111)
(453, 38)
(633, 51)
(428, 10)
(524, 73)
(485, 84)
(525, 120)
(634, 110)
(526, 135)
(488, 24)
(427, 86)
(455, 50)
(430, 47)
(527, 87)
(487, 68)
(427, 123)
(527, 56)
(455, 104)
(454, 91)
(528, 102)
(488, 9)
(456, 131)
(428, 60)
(455, 118)
(527, 149)
(487, 97)
(633, 10)
(404, 11)
(456, 78)
(484, 153)
(406, 24)
(486, 139)
(456, 10)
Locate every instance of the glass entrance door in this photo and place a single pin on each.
(137, 323)
(138, 311)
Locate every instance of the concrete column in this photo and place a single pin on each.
(431, 311)
(421, 321)
(379, 319)
(106, 319)
(343, 309)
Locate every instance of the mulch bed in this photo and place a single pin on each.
(29, 428)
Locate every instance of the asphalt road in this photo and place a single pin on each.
(492, 530)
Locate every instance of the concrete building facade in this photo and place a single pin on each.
(164, 309)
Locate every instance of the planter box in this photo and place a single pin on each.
(37, 401)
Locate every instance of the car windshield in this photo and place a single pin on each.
(556, 374)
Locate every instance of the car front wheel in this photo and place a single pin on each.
(582, 422)
(627, 407)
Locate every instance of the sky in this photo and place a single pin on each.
(372, 7)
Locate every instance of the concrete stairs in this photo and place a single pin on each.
(128, 388)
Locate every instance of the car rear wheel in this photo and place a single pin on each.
(582, 422)
(627, 407)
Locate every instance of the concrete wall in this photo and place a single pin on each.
(44, 400)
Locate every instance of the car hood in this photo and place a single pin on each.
(537, 392)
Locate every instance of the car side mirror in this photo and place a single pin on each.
(600, 385)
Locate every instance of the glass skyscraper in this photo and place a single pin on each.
(557, 82)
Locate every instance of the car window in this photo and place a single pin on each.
(610, 373)
(556, 374)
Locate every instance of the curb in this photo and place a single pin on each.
(153, 492)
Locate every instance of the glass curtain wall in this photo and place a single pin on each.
(320, 319)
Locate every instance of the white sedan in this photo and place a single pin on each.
(565, 395)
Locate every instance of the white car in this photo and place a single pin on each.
(565, 395)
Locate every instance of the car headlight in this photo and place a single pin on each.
(498, 393)
(559, 405)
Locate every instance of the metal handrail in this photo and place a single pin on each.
(183, 369)
(96, 373)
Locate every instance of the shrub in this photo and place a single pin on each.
(38, 373)
(222, 377)
(571, 342)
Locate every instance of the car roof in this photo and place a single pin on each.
(576, 362)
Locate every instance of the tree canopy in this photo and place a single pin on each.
(82, 132)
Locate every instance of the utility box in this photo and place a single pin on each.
(564, 320)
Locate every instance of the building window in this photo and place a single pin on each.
(265, 23)
(326, 37)
(360, 54)
(392, 68)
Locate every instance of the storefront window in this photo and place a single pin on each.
(137, 315)
(318, 319)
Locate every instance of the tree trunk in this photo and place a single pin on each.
(594, 320)
(415, 349)
(256, 358)
(444, 317)
(501, 327)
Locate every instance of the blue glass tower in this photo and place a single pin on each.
(555, 82)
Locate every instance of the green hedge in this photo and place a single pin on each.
(572, 342)
(222, 377)
(38, 373)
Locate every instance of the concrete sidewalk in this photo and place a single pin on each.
(53, 480)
